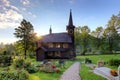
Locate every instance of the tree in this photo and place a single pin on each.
(24, 32)
(111, 32)
(97, 34)
(82, 37)
(117, 22)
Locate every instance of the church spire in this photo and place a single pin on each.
(50, 30)
(70, 23)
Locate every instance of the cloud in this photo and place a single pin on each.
(23, 9)
(28, 12)
(10, 18)
(25, 2)
(9, 15)
(6, 4)
(31, 14)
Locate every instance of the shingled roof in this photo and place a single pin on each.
(56, 37)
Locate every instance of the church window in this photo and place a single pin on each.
(57, 45)
(50, 54)
(50, 45)
(65, 45)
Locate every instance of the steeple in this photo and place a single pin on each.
(50, 30)
(70, 23)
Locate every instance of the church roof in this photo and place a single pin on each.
(56, 37)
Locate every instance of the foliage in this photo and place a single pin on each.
(22, 64)
(114, 62)
(30, 67)
(19, 63)
(82, 35)
(14, 75)
(96, 40)
(5, 59)
(104, 39)
(111, 33)
(25, 33)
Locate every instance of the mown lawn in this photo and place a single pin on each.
(105, 58)
(86, 72)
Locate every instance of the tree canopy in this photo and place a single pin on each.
(25, 33)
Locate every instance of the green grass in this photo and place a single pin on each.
(33, 77)
(86, 74)
(96, 58)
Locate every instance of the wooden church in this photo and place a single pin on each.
(57, 45)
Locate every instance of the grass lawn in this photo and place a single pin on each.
(96, 58)
(85, 72)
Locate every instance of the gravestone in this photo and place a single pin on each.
(48, 67)
(100, 63)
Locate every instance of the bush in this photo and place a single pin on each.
(32, 69)
(14, 75)
(5, 59)
(19, 63)
(114, 62)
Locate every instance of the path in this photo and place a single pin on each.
(72, 73)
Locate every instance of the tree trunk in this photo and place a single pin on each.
(25, 53)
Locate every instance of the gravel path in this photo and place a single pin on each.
(72, 73)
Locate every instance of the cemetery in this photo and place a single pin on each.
(43, 40)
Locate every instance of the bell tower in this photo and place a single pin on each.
(70, 27)
(70, 30)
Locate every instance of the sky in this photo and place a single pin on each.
(55, 13)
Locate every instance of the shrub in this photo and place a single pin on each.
(114, 62)
(32, 69)
(14, 75)
(5, 59)
(19, 63)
